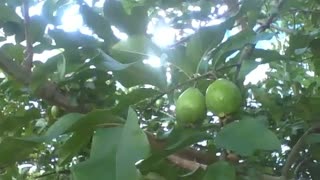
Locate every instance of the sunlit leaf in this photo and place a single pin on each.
(97, 23)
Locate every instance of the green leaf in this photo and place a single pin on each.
(19, 120)
(297, 41)
(178, 139)
(133, 97)
(246, 68)
(237, 42)
(8, 14)
(72, 146)
(61, 68)
(130, 77)
(135, 48)
(268, 55)
(134, 22)
(95, 118)
(182, 137)
(37, 28)
(102, 161)
(43, 71)
(220, 170)
(49, 9)
(133, 146)
(104, 61)
(13, 51)
(313, 138)
(114, 158)
(73, 40)
(62, 125)
(246, 136)
(128, 5)
(20, 148)
(205, 39)
(177, 57)
(97, 23)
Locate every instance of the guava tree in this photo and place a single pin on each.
(89, 103)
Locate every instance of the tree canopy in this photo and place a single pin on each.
(98, 101)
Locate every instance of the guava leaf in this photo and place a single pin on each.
(20, 148)
(200, 42)
(246, 136)
(237, 42)
(178, 139)
(62, 125)
(13, 51)
(104, 61)
(133, 146)
(97, 23)
(220, 170)
(72, 146)
(313, 138)
(8, 14)
(134, 50)
(133, 97)
(102, 161)
(128, 5)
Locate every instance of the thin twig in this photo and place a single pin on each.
(29, 51)
(286, 30)
(245, 54)
(248, 49)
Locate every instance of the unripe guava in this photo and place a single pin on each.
(54, 111)
(190, 107)
(223, 97)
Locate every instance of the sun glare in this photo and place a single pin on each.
(164, 36)
(153, 61)
(71, 19)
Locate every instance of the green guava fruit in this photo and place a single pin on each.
(54, 111)
(190, 107)
(223, 97)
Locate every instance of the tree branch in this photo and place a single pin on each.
(286, 30)
(185, 163)
(49, 91)
(13, 69)
(248, 49)
(192, 166)
(294, 153)
(27, 63)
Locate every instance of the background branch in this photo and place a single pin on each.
(27, 63)
(294, 153)
(48, 92)
(248, 49)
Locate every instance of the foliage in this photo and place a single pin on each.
(93, 106)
